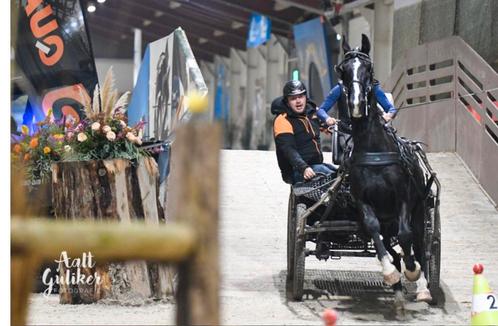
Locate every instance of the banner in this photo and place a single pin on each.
(168, 72)
(315, 63)
(54, 56)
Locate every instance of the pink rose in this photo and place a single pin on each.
(111, 136)
(95, 126)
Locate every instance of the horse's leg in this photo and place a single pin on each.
(391, 275)
(423, 293)
(399, 300)
(405, 238)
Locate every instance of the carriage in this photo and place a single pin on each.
(323, 211)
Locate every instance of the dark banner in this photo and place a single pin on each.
(54, 55)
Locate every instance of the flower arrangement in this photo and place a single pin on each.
(103, 134)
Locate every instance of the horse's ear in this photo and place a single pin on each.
(365, 44)
(345, 45)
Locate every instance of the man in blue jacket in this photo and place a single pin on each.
(335, 95)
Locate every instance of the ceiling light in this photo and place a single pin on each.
(202, 40)
(100, 1)
(91, 7)
(218, 32)
(280, 5)
(174, 5)
(147, 22)
(236, 25)
(338, 37)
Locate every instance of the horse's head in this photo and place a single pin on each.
(356, 75)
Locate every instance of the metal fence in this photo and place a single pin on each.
(448, 96)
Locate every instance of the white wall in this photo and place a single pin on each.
(404, 3)
(123, 72)
(358, 26)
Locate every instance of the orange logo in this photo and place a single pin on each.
(45, 43)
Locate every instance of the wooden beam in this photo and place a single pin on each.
(236, 15)
(312, 6)
(263, 7)
(151, 35)
(229, 18)
(46, 239)
(190, 27)
(151, 7)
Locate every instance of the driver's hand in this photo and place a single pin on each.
(330, 121)
(308, 173)
(387, 116)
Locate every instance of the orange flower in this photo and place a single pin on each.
(33, 143)
(17, 148)
(46, 150)
(26, 157)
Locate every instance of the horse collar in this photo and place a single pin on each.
(376, 158)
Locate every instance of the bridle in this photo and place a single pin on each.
(363, 58)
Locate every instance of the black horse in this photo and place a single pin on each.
(388, 194)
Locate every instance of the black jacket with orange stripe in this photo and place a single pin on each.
(297, 138)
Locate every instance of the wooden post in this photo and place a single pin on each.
(22, 270)
(193, 198)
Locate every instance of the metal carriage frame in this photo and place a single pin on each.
(318, 198)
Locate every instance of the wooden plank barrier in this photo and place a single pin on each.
(190, 240)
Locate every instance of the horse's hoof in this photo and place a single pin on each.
(424, 296)
(392, 278)
(413, 276)
(399, 300)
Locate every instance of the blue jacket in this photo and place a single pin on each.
(335, 94)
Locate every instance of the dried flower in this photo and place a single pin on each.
(67, 148)
(69, 135)
(122, 123)
(130, 136)
(33, 143)
(95, 126)
(82, 137)
(47, 150)
(111, 136)
(106, 129)
(26, 157)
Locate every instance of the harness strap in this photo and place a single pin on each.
(376, 159)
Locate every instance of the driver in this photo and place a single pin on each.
(296, 130)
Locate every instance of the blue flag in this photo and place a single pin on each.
(259, 30)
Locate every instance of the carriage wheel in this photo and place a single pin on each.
(434, 260)
(299, 254)
(291, 226)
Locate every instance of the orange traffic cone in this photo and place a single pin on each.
(484, 302)
(329, 317)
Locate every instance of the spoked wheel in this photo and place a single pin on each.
(433, 248)
(297, 279)
(291, 227)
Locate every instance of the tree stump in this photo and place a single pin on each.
(114, 190)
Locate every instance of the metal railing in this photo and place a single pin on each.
(448, 99)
